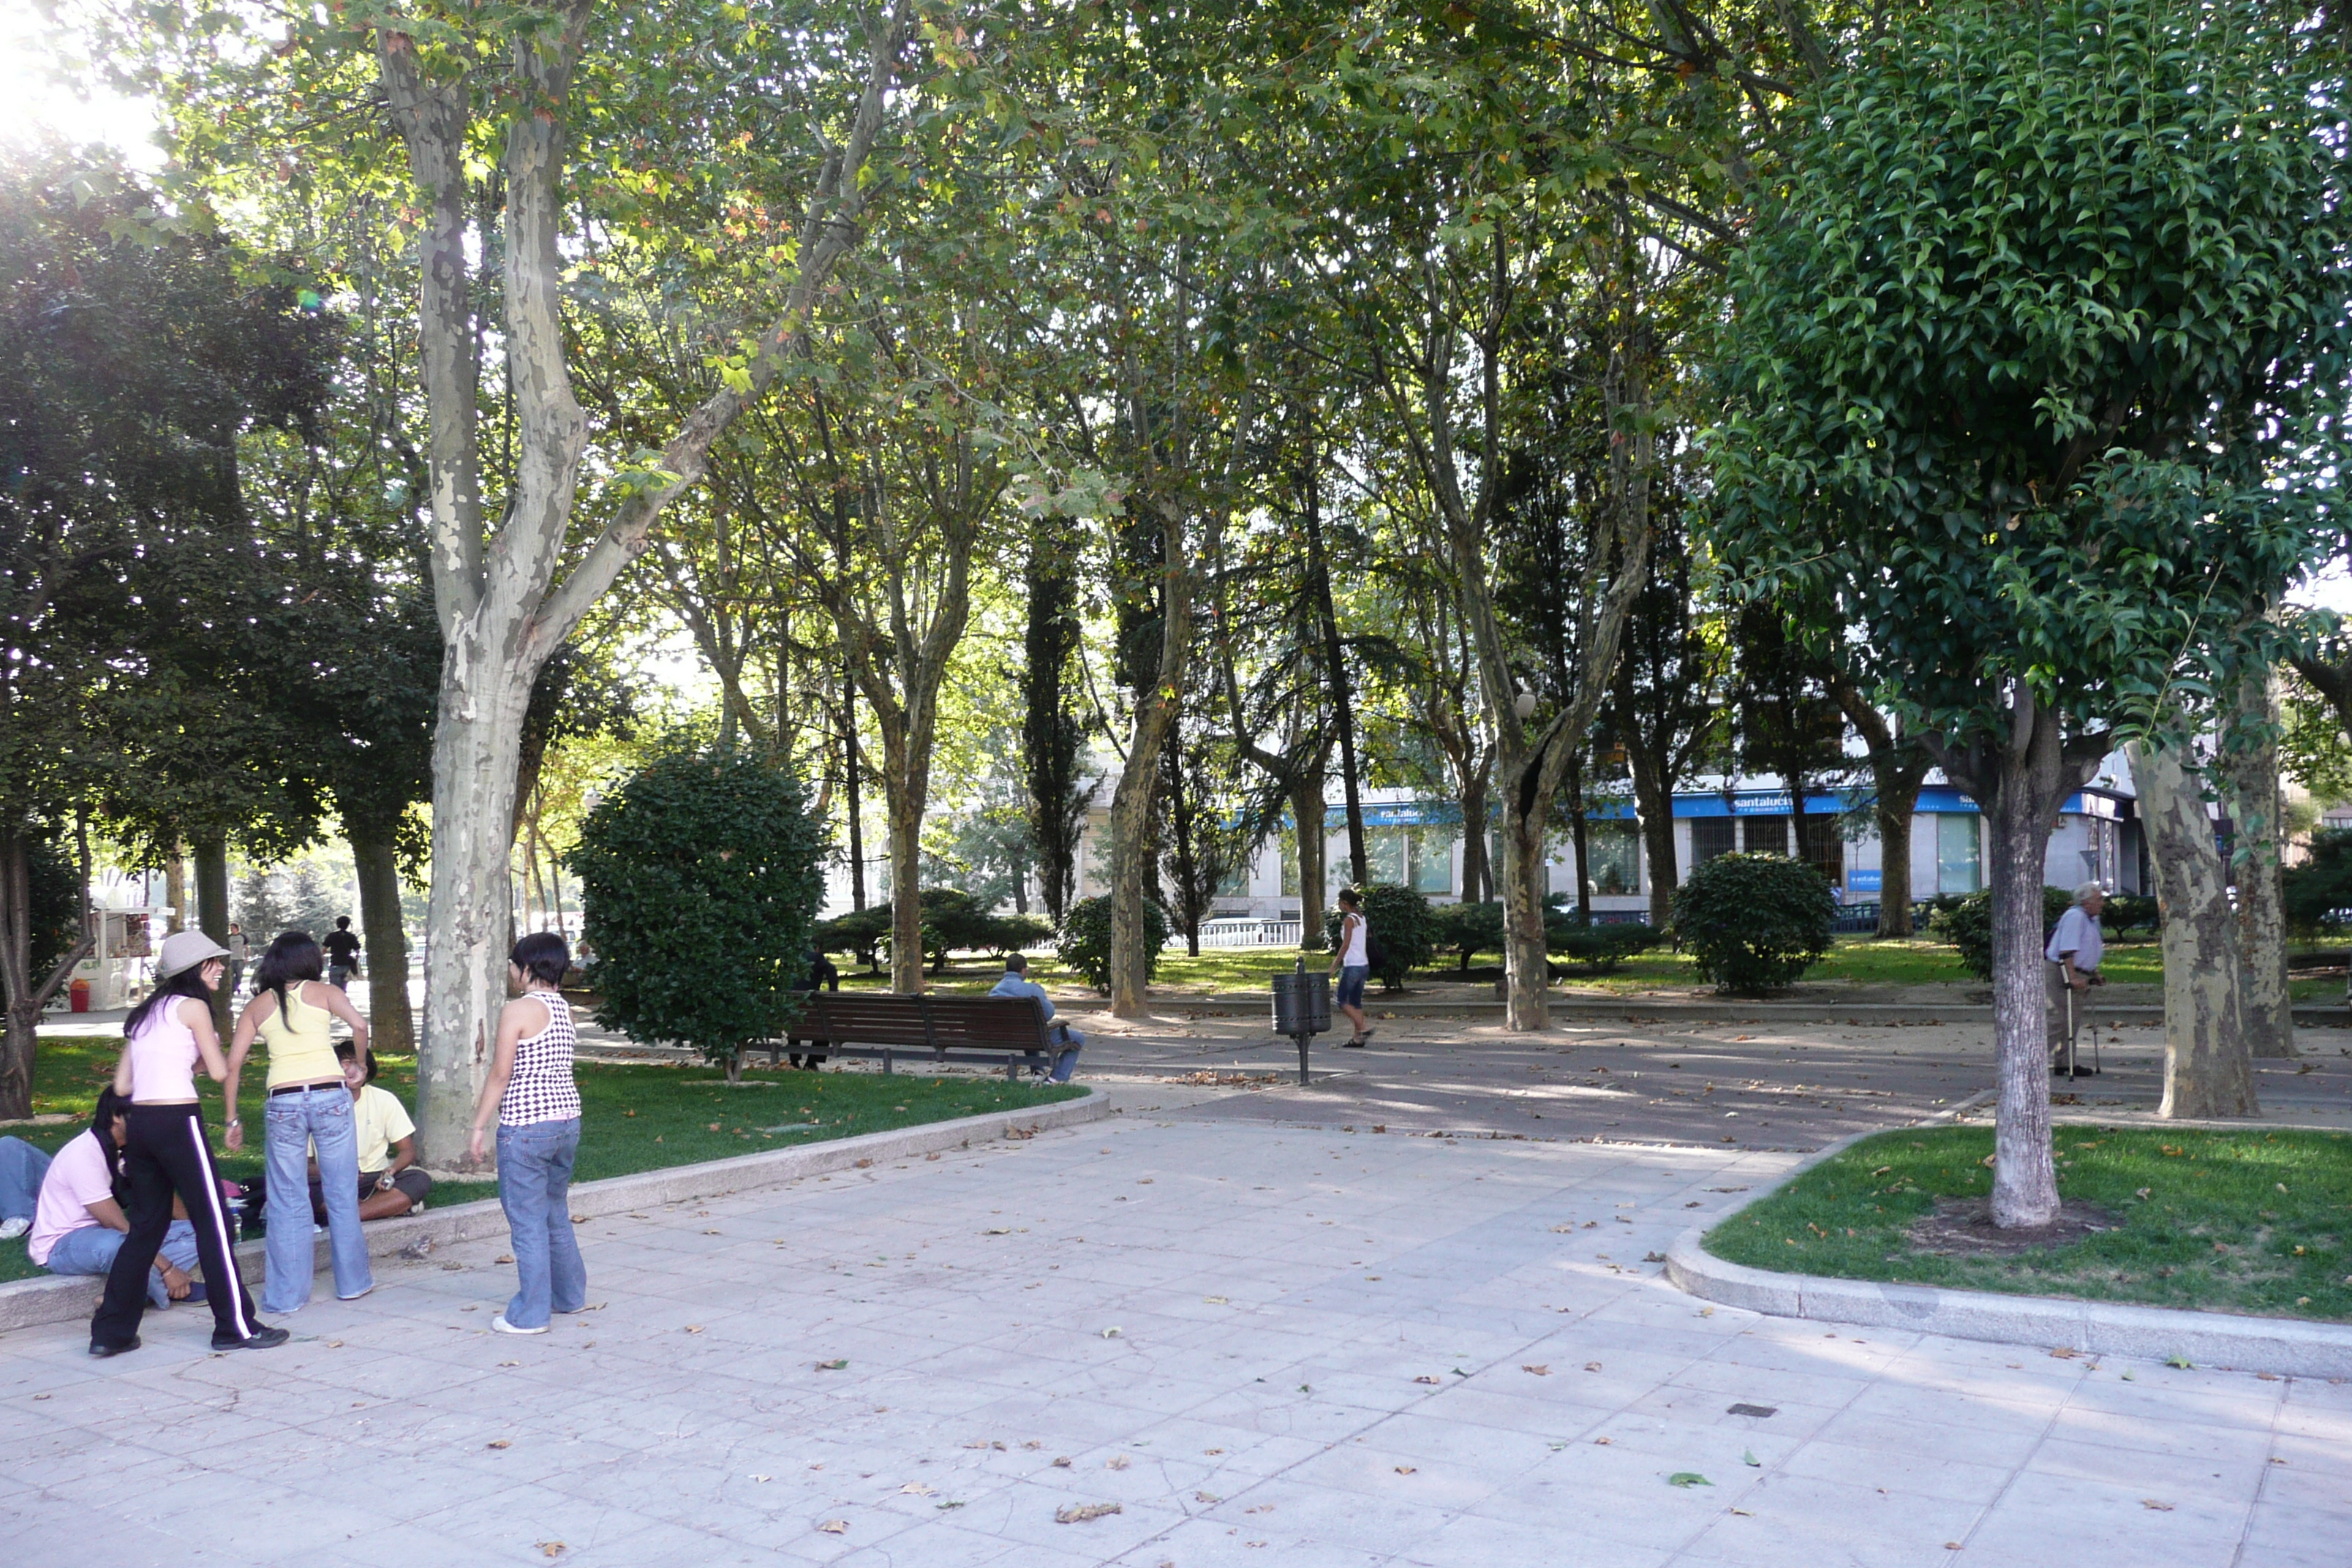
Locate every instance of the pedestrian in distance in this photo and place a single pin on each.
(165, 1152)
(1355, 961)
(309, 1108)
(342, 954)
(2076, 948)
(240, 950)
(530, 1094)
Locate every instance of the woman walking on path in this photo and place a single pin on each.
(310, 1106)
(1355, 960)
(165, 1152)
(531, 1092)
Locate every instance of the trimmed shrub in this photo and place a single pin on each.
(1600, 948)
(1467, 930)
(1968, 926)
(1083, 943)
(1754, 924)
(699, 880)
(1404, 929)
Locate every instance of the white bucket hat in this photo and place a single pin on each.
(183, 951)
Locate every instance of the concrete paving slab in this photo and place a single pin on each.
(1262, 1400)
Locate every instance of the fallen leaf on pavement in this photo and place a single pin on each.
(1687, 1478)
(1079, 1512)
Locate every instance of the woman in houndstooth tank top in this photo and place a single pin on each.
(530, 1092)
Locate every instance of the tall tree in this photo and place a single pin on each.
(2053, 473)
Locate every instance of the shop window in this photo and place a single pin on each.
(1429, 854)
(1824, 847)
(1959, 852)
(1612, 858)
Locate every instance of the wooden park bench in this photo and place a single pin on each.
(1011, 1031)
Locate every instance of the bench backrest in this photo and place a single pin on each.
(846, 1018)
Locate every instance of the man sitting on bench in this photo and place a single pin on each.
(1016, 983)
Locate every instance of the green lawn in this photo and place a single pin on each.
(2240, 1222)
(635, 1117)
(1855, 960)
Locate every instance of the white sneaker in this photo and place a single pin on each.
(10, 1229)
(499, 1325)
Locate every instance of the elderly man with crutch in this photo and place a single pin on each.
(2074, 951)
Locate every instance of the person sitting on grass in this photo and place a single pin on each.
(391, 1184)
(78, 1223)
(1016, 983)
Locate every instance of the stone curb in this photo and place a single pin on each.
(2284, 1347)
(52, 1299)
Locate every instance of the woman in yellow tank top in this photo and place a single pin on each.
(307, 1115)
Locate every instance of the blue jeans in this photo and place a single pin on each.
(535, 1189)
(91, 1249)
(22, 1166)
(322, 1115)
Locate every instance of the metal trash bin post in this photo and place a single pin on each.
(1302, 1008)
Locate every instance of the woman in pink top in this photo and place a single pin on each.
(164, 1152)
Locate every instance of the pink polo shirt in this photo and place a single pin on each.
(77, 1179)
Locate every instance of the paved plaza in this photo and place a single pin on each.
(1260, 1341)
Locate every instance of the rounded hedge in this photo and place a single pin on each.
(1755, 922)
(699, 880)
(1084, 941)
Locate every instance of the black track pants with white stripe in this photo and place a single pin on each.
(165, 1152)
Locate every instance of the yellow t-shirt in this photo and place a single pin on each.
(301, 1046)
(378, 1121)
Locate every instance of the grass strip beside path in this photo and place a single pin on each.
(2252, 1221)
(634, 1117)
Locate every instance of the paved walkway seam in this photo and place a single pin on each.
(56, 1299)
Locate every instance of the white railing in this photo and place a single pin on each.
(1243, 932)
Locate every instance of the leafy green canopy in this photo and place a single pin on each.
(2037, 361)
(701, 879)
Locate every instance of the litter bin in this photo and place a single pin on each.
(1302, 1008)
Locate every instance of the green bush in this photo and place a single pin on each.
(2320, 890)
(1754, 924)
(699, 882)
(1600, 948)
(1404, 928)
(2131, 911)
(1083, 943)
(1968, 926)
(1467, 930)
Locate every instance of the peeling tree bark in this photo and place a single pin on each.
(502, 611)
(2207, 1071)
(2250, 783)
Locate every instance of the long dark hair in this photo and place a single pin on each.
(189, 982)
(290, 955)
(102, 1125)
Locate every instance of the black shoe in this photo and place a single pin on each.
(259, 1339)
(103, 1352)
